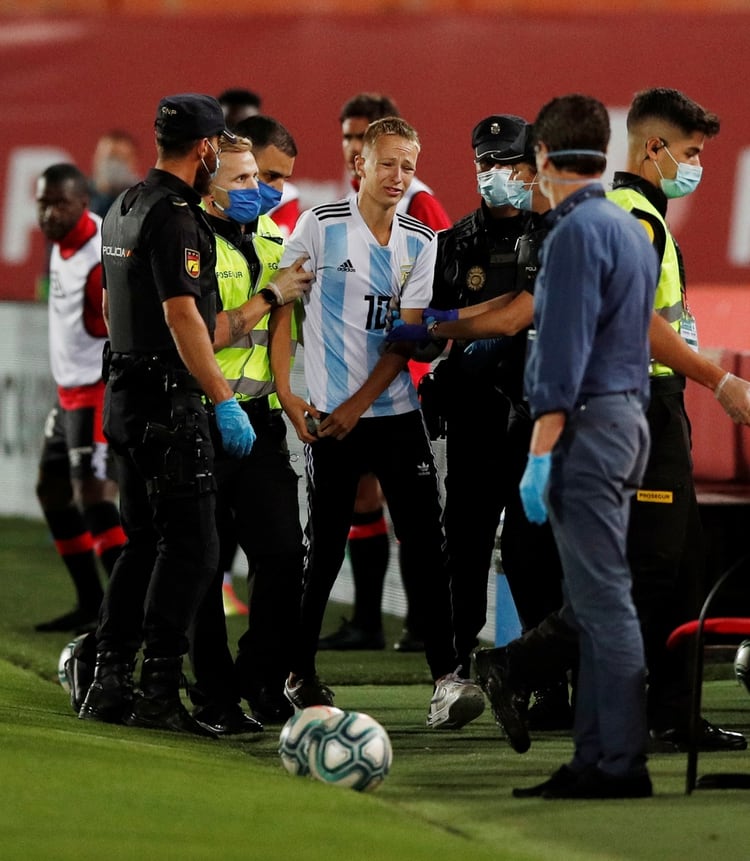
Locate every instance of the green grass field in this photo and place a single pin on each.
(75, 790)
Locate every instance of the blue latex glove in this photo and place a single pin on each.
(533, 486)
(408, 332)
(436, 315)
(237, 434)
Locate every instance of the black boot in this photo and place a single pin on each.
(159, 705)
(110, 695)
(551, 709)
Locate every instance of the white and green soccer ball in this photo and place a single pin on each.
(352, 750)
(742, 664)
(295, 736)
(66, 653)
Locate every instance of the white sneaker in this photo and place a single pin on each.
(456, 702)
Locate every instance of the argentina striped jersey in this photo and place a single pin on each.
(356, 279)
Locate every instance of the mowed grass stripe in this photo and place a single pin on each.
(74, 789)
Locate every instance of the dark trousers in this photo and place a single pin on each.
(529, 553)
(260, 494)
(667, 554)
(167, 508)
(484, 473)
(475, 496)
(397, 450)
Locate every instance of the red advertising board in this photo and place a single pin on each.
(66, 81)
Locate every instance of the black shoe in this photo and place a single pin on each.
(164, 713)
(508, 704)
(595, 783)
(111, 693)
(408, 642)
(710, 738)
(269, 708)
(227, 720)
(562, 778)
(303, 694)
(158, 705)
(482, 659)
(551, 709)
(80, 621)
(350, 638)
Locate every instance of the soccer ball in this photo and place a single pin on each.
(294, 739)
(351, 749)
(742, 664)
(66, 653)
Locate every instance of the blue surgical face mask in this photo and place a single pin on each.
(244, 204)
(519, 195)
(491, 184)
(686, 180)
(269, 197)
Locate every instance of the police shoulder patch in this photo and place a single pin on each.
(192, 262)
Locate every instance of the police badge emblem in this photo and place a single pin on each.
(475, 278)
(192, 262)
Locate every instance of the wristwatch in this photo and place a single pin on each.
(269, 296)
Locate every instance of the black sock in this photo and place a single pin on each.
(103, 520)
(76, 548)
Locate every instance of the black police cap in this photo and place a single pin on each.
(190, 116)
(501, 138)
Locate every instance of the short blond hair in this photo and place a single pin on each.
(240, 144)
(390, 126)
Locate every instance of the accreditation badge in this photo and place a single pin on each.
(689, 330)
(192, 262)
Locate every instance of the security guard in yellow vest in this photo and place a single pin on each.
(259, 491)
(666, 134)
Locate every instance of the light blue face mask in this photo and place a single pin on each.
(686, 180)
(269, 197)
(244, 204)
(518, 195)
(492, 184)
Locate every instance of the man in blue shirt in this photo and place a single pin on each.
(587, 384)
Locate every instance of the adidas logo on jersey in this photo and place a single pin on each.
(346, 266)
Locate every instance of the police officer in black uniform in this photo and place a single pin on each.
(160, 302)
(488, 266)
(478, 383)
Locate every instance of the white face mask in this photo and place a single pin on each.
(544, 186)
(212, 173)
(685, 181)
(492, 185)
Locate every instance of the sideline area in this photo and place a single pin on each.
(75, 790)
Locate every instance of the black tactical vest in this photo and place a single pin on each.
(137, 323)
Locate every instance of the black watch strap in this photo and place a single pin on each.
(269, 296)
